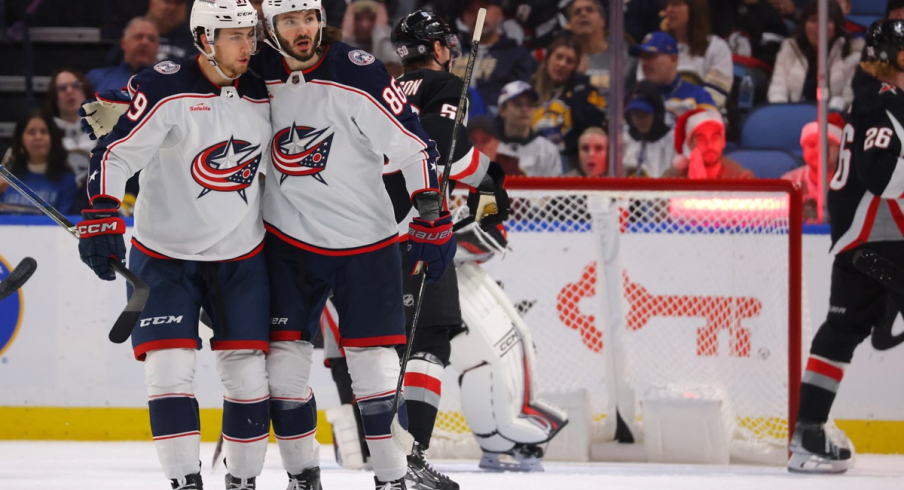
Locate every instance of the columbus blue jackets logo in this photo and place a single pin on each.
(228, 166)
(167, 67)
(300, 150)
(10, 311)
(361, 58)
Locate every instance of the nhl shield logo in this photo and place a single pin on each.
(167, 67)
(361, 58)
(301, 150)
(226, 167)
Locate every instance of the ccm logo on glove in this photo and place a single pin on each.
(101, 227)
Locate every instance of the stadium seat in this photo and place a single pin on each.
(865, 12)
(776, 126)
(872, 7)
(766, 164)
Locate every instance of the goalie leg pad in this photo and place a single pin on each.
(374, 372)
(175, 423)
(496, 357)
(246, 417)
(293, 407)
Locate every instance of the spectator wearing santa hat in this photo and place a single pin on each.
(699, 142)
(808, 175)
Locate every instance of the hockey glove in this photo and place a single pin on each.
(431, 243)
(101, 112)
(100, 238)
(489, 202)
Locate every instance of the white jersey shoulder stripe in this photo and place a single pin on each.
(103, 163)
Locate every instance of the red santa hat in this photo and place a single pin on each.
(684, 131)
(689, 122)
(836, 129)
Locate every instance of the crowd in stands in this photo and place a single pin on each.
(541, 87)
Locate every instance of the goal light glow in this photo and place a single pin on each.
(718, 207)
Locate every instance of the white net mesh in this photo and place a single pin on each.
(699, 305)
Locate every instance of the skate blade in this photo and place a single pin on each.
(496, 464)
(813, 464)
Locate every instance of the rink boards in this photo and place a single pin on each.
(61, 379)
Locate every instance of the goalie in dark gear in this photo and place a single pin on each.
(864, 199)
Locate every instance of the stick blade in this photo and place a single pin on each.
(124, 325)
(401, 437)
(18, 276)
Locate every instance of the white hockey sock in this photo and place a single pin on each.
(293, 408)
(246, 422)
(175, 424)
(374, 372)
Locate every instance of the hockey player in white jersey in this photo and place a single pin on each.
(198, 130)
(337, 116)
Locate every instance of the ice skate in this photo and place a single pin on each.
(523, 457)
(188, 482)
(813, 452)
(390, 485)
(233, 483)
(308, 479)
(423, 476)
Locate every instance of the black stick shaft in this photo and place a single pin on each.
(444, 184)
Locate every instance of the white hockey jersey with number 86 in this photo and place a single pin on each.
(332, 126)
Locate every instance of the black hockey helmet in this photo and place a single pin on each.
(414, 34)
(884, 40)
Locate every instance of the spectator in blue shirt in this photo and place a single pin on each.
(139, 43)
(37, 157)
(659, 62)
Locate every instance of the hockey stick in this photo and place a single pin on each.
(217, 451)
(881, 269)
(17, 277)
(401, 437)
(122, 329)
(889, 275)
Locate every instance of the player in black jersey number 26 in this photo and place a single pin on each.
(866, 208)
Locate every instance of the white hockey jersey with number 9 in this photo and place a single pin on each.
(200, 148)
(335, 126)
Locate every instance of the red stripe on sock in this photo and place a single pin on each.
(825, 369)
(421, 380)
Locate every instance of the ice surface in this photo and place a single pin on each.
(133, 466)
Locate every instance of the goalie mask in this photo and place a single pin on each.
(207, 16)
(884, 40)
(273, 8)
(413, 37)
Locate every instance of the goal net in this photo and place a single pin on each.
(642, 289)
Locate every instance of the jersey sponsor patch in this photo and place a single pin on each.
(167, 67)
(361, 58)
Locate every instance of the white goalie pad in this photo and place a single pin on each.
(498, 388)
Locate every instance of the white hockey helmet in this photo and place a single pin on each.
(272, 8)
(211, 15)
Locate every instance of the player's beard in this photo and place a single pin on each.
(291, 50)
(234, 70)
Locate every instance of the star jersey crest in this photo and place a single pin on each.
(226, 167)
(301, 151)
